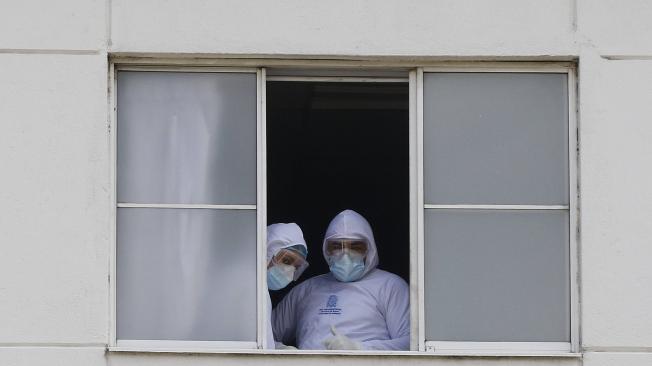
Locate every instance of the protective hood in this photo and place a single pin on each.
(349, 224)
(280, 236)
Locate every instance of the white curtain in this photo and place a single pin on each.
(186, 274)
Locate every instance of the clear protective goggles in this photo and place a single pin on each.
(335, 247)
(290, 257)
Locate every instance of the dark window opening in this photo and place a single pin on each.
(338, 145)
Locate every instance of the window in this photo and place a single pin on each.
(487, 183)
(340, 145)
(496, 221)
(186, 208)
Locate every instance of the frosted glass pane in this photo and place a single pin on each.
(186, 137)
(495, 138)
(186, 274)
(497, 276)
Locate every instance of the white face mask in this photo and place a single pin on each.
(279, 276)
(347, 267)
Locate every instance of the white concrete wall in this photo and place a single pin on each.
(54, 214)
(54, 150)
(368, 27)
(47, 26)
(616, 205)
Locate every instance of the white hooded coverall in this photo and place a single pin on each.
(280, 236)
(373, 310)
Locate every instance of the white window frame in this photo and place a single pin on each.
(414, 70)
(158, 345)
(450, 347)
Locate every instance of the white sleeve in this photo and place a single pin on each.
(284, 317)
(270, 333)
(396, 303)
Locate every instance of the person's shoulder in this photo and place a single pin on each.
(309, 283)
(388, 277)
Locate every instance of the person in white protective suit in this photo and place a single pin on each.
(355, 306)
(286, 261)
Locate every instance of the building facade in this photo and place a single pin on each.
(58, 65)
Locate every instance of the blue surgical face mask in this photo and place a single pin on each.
(347, 267)
(279, 275)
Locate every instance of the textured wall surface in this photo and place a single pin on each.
(54, 216)
(367, 27)
(54, 147)
(46, 25)
(616, 201)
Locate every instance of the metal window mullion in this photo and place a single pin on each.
(185, 206)
(495, 207)
(261, 204)
(414, 213)
(552, 68)
(574, 234)
(468, 347)
(339, 79)
(420, 211)
(187, 69)
(113, 144)
(155, 345)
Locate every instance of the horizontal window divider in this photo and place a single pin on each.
(339, 79)
(549, 68)
(452, 347)
(185, 205)
(170, 68)
(331, 353)
(495, 207)
(185, 346)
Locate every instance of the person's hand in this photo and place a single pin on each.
(283, 346)
(339, 341)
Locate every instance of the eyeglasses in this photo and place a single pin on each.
(292, 258)
(336, 246)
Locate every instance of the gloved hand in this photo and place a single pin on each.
(339, 341)
(280, 345)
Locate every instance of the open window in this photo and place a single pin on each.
(334, 145)
(467, 176)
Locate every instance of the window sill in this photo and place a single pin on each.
(255, 352)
